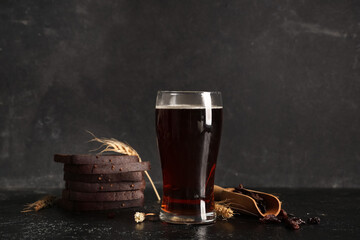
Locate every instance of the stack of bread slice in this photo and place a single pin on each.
(102, 182)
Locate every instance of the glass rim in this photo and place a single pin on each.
(189, 92)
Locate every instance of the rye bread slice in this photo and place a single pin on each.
(107, 168)
(104, 178)
(102, 196)
(96, 206)
(94, 159)
(104, 187)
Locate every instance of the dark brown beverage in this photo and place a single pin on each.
(188, 140)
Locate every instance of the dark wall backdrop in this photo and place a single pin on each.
(289, 72)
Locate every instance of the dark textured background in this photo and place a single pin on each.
(289, 72)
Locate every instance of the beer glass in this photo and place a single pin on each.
(188, 127)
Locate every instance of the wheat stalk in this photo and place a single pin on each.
(114, 145)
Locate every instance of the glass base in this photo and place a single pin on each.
(206, 218)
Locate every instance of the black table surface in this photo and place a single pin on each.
(337, 208)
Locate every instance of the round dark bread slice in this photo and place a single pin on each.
(104, 187)
(107, 168)
(97, 206)
(104, 178)
(102, 196)
(94, 159)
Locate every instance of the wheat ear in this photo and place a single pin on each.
(223, 209)
(40, 204)
(113, 145)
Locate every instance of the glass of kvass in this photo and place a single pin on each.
(188, 127)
